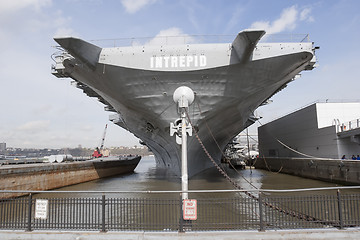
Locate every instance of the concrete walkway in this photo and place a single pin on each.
(316, 234)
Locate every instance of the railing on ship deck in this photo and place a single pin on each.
(161, 210)
(194, 39)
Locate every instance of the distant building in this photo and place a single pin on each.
(2, 147)
(323, 129)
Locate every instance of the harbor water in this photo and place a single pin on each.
(147, 177)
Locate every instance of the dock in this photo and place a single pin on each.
(330, 170)
(312, 234)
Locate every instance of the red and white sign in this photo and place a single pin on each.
(189, 209)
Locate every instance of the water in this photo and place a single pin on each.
(215, 211)
(147, 177)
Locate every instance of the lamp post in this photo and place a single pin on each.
(183, 96)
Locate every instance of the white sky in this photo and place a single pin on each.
(42, 111)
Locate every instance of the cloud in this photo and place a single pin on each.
(234, 20)
(20, 15)
(287, 21)
(43, 109)
(65, 32)
(9, 7)
(171, 36)
(133, 6)
(86, 128)
(60, 23)
(305, 15)
(34, 126)
(31, 17)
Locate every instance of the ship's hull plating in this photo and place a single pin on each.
(225, 97)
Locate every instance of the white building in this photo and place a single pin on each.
(322, 129)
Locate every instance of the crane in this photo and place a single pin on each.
(98, 151)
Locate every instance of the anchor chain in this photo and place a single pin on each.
(290, 212)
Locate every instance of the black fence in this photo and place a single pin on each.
(244, 211)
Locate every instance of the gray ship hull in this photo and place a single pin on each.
(227, 91)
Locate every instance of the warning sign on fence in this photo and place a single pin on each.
(41, 208)
(189, 209)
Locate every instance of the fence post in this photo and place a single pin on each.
(181, 220)
(28, 229)
(341, 221)
(261, 214)
(103, 229)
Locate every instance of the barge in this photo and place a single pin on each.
(46, 176)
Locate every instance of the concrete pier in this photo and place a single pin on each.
(312, 234)
(330, 170)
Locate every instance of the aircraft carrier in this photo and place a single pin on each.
(229, 80)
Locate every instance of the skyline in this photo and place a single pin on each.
(41, 111)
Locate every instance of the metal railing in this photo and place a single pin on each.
(347, 126)
(269, 210)
(193, 39)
